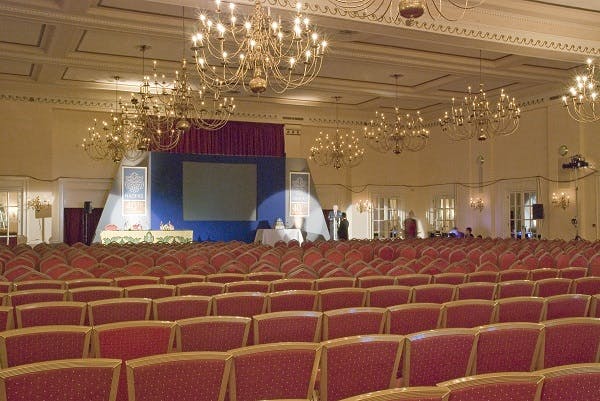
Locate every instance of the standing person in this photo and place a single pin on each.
(343, 228)
(410, 226)
(334, 222)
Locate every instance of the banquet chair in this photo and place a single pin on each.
(552, 286)
(482, 277)
(515, 288)
(353, 322)
(433, 293)
(449, 278)
(64, 380)
(152, 291)
(6, 318)
(131, 340)
(578, 382)
(586, 285)
(513, 274)
(247, 286)
(466, 313)
(404, 394)
(508, 386)
(375, 281)
(388, 295)
(89, 294)
(118, 310)
(265, 276)
(412, 318)
(567, 305)
(570, 340)
(51, 313)
(476, 290)
(130, 281)
(88, 282)
(43, 343)
(289, 326)
(200, 288)
(573, 272)
(337, 298)
(595, 306)
(181, 307)
(212, 333)
(292, 300)
(438, 355)
(508, 347)
(412, 280)
(176, 279)
(287, 284)
(186, 376)
(18, 298)
(543, 273)
(520, 309)
(39, 285)
(334, 282)
(356, 365)
(246, 304)
(225, 277)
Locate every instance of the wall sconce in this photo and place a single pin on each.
(561, 200)
(363, 206)
(477, 204)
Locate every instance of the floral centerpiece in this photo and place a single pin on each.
(36, 204)
(166, 227)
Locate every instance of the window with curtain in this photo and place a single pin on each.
(11, 210)
(521, 222)
(386, 217)
(444, 213)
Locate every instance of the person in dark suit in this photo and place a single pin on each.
(343, 228)
(334, 222)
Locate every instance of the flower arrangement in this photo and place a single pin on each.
(166, 227)
(36, 204)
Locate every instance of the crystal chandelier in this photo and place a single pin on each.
(405, 132)
(115, 139)
(473, 117)
(409, 10)
(561, 200)
(364, 206)
(258, 53)
(583, 100)
(338, 150)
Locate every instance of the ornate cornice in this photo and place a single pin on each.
(63, 101)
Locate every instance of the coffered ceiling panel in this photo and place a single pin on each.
(460, 84)
(123, 44)
(15, 68)
(21, 32)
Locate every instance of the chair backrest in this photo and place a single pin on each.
(595, 306)
(130, 281)
(32, 296)
(189, 376)
(181, 307)
(118, 310)
(513, 274)
(6, 318)
(476, 290)
(515, 288)
(579, 382)
(412, 280)
(337, 298)
(152, 291)
(67, 380)
(438, 355)
(348, 322)
(519, 309)
(433, 293)
(543, 273)
(292, 300)
(567, 305)
(375, 281)
(39, 285)
(225, 277)
(334, 282)
(89, 294)
(412, 318)
(466, 313)
(388, 295)
(586, 285)
(212, 333)
(201, 288)
(292, 284)
(356, 365)
(43, 343)
(272, 371)
(483, 277)
(573, 272)
(405, 394)
(499, 386)
(176, 279)
(265, 276)
(51, 313)
(246, 304)
(570, 340)
(247, 286)
(449, 278)
(289, 326)
(508, 347)
(552, 286)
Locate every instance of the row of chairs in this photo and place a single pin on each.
(329, 371)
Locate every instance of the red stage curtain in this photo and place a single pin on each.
(74, 225)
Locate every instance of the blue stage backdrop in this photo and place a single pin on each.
(170, 193)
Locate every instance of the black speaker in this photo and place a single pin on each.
(538, 211)
(87, 207)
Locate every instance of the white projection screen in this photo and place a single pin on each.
(219, 192)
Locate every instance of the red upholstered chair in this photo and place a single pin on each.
(375, 281)
(39, 285)
(291, 284)
(212, 333)
(437, 355)
(118, 310)
(206, 289)
(89, 294)
(176, 279)
(579, 382)
(334, 282)
(274, 371)
(567, 305)
(496, 386)
(64, 380)
(152, 291)
(476, 290)
(7, 318)
(88, 282)
(129, 281)
(483, 277)
(32, 296)
(181, 307)
(573, 272)
(353, 322)
(412, 280)
(337, 298)
(247, 286)
(433, 293)
(246, 304)
(586, 285)
(51, 313)
(265, 276)
(290, 326)
(358, 365)
(130, 340)
(449, 278)
(515, 288)
(44, 343)
(467, 313)
(513, 274)
(508, 347)
(388, 295)
(405, 394)
(225, 277)
(570, 340)
(412, 318)
(519, 309)
(292, 300)
(189, 376)
(544, 273)
(595, 306)
(552, 286)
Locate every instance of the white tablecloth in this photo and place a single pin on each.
(134, 237)
(270, 236)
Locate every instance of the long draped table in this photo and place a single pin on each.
(271, 236)
(149, 236)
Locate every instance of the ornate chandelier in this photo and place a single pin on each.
(473, 117)
(477, 204)
(583, 100)
(405, 132)
(339, 150)
(258, 53)
(409, 10)
(115, 139)
(561, 200)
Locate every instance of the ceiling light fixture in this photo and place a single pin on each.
(583, 100)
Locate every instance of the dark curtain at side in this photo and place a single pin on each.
(76, 220)
(235, 139)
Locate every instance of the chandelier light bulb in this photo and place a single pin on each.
(582, 101)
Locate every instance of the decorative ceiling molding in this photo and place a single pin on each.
(63, 101)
